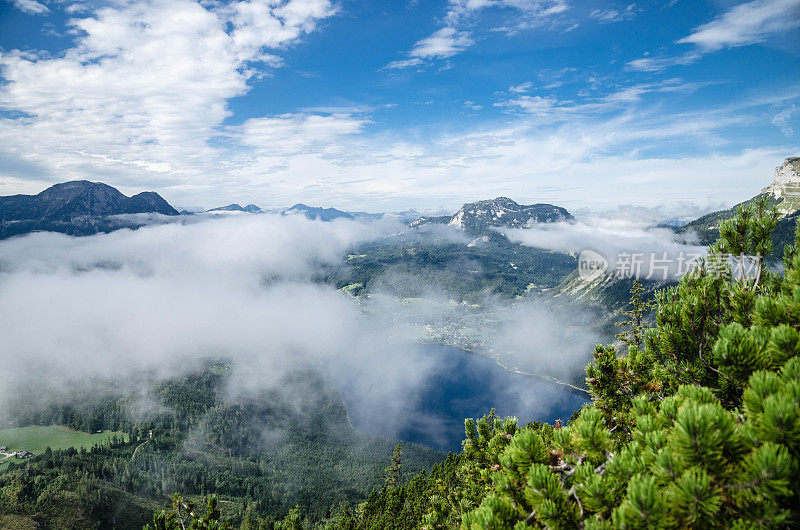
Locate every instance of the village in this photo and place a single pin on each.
(19, 454)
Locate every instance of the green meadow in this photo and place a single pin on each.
(36, 439)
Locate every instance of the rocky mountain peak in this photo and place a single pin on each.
(786, 184)
(505, 202)
(505, 212)
(77, 207)
(66, 191)
(79, 197)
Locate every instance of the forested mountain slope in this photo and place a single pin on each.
(266, 453)
(463, 256)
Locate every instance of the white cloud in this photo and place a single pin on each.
(550, 107)
(145, 86)
(661, 255)
(657, 64)
(267, 24)
(535, 105)
(607, 16)
(521, 88)
(453, 39)
(781, 121)
(461, 9)
(77, 7)
(161, 297)
(443, 43)
(635, 92)
(144, 164)
(524, 340)
(573, 153)
(297, 133)
(247, 247)
(742, 25)
(404, 63)
(568, 156)
(31, 6)
(746, 23)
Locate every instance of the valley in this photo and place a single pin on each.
(418, 325)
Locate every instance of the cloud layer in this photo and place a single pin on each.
(629, 247)
(240, 287)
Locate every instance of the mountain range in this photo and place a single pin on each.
(464, 256)
(466, 262)
(77, 208)
(82, 208)
(311, 212)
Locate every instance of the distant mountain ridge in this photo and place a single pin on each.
(78, 207)
(477, 217)
(329, 214)
(250, 208)
(406, 216)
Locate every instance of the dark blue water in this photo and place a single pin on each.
(462, 385)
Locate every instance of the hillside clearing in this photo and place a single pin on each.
(37, 438)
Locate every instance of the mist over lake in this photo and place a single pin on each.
(465, 385)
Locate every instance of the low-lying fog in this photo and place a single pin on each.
(241, 287)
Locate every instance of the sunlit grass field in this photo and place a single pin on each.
(36, 439)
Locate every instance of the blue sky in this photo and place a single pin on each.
(395, 104)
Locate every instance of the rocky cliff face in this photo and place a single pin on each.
(786, 185)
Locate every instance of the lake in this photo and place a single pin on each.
(462, 385)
